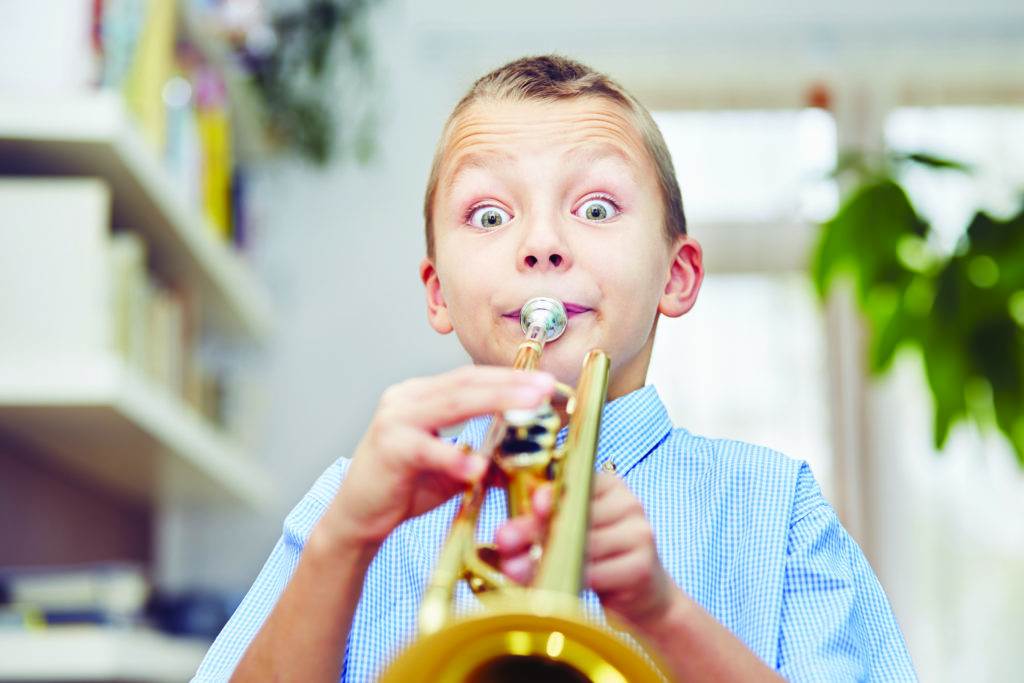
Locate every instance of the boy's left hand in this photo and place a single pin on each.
(622, 564)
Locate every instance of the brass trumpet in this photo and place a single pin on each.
(536, 632)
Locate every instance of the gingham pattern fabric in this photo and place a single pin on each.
(742, 529)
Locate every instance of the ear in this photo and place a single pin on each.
(685, 274)
(437, 310)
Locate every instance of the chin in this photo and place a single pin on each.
(564, 363)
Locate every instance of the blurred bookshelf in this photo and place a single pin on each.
(129, 319)
(106, 421)
(93, 134)
(97, 654)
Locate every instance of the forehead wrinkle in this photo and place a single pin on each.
(482, 159)
(592, 152)
(491, 129)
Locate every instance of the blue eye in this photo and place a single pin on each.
(488, 217)
(597, 210)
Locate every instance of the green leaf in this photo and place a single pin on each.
(863, 238)
(904, 326)
(964, 312)
(933, 161)
(946, 371)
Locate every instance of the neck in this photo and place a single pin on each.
(625, 378)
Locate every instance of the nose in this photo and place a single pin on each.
(543, 249)
(554, 259)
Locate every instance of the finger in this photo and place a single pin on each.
(618, 538)
(423, 453)
(517, 535)
(543, 501)
(476, 377)
(469, 376)
(605, 483)
(618, 572)
(520, 568)
(617, 503)
(450, 402)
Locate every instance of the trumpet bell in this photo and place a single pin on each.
(524, 636)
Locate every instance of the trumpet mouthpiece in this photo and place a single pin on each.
(545, 313)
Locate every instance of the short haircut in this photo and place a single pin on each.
(549, 78)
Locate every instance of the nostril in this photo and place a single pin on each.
(531, 261)
(556, 260)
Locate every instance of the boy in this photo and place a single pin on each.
(550, 180)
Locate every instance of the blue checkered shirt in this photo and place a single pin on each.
(744, 530)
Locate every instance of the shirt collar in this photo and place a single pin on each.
(631, 427)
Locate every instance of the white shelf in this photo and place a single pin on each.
(97, 654)
(93, 134)
(101, 419)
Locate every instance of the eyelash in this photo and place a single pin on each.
(605, 197)
(475, 207)
(598, 195)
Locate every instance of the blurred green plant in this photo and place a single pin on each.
(295, 77)
(964, 311)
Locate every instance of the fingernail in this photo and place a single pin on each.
(542, 380)
(518, 568)
(507, 537)
(529, 396)
(472, 466)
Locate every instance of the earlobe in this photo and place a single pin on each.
(437, 310)
(685, 275)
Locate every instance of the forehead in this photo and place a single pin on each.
(581, 129)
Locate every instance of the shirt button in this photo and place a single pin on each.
(609, 466)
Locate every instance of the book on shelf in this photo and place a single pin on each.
(151, 66)
(139, 49)
(130, 297)
(215, 134)
(102, 593)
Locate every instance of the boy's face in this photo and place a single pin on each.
(555, 199)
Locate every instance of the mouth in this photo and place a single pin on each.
(571, 311)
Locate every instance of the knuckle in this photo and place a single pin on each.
(373, 433)
(384, 442)
(388, 440)
(634, 507)
(419, 458)
(643, 572)
(452, 402)
(463, 373)
(390, 395)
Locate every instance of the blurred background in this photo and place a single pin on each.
(210, 226)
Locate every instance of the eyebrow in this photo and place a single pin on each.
(477, 160)
(598, 151)
(577, 155)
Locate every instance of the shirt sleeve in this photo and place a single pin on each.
(227, 650)
(836, 622)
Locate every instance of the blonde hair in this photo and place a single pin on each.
(550, 78)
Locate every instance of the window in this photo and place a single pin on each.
(990, 139)
(748, 362)
(753, 166)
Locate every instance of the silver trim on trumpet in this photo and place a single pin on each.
(546, 313)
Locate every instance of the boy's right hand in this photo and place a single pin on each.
(401, 468)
